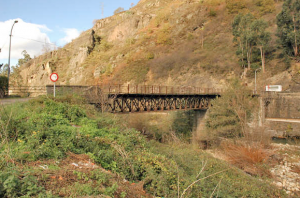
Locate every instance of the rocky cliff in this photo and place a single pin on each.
(169, 42)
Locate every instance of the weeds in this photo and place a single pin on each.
(50, 130)
(251, 157)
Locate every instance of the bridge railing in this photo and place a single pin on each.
(132, 89)
(157, 89)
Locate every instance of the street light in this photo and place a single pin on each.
(255, 80)
(8, 71)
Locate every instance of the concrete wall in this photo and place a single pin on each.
(283, 105)
(286, 108)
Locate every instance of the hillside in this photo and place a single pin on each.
(169, 42)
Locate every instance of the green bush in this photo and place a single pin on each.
(15, 184)
(3, 85)
(229, 114)
(46, 131)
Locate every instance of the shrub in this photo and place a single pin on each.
(3, 85)
(150, 55)
(250, 157)
(118, 10)
(234, 6)
(266, 6)
(212, 13)
(163, 36)
(14, 184)
(229, 114)
(160, 167)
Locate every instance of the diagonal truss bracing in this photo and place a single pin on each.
(122, 103)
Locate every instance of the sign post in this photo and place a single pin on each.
(54, 78)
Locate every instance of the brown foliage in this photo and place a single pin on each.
(250, 157)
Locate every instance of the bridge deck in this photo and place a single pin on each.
(131, 98)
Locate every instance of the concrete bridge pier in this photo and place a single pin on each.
(198, 125)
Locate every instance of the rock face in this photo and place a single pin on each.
(170, 42)
(75, 73)
(37, 74)
(126, 25)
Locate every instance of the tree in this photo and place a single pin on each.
(3, 85)
(243, 35)
(288, 31)
(118, 10)
(248, 33)
(261, 37)
(26, 58)
(229, 114)
(3, 69)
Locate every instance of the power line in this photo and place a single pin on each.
(36, 41)
(3, 45)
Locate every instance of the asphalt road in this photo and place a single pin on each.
(7, 101)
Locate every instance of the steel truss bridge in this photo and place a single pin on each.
(141, 98)
(133, 98)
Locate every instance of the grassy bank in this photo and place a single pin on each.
(62, 148)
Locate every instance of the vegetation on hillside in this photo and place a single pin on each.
(180, 42)
(288, 22)
(230, 114)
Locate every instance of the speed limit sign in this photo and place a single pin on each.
(54, 77)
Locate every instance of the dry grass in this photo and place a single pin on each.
(296, 169)
(253, 157)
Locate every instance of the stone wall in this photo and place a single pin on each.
(283, 105)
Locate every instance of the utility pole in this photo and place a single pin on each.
(255, 80)
(8, 71)
(102, 9)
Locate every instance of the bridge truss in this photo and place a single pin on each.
(120, 103)
(132, 98)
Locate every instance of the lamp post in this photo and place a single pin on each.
(8, 71)
(255, 80)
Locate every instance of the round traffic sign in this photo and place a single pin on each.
(54, 77)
